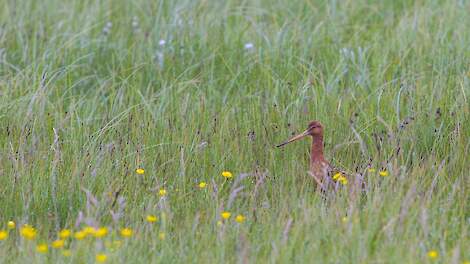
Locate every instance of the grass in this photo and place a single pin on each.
(84, 103)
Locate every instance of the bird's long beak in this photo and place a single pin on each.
(299, 136)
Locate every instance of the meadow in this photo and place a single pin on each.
(145, 131)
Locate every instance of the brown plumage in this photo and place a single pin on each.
(320, 168)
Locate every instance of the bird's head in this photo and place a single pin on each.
(315, 128)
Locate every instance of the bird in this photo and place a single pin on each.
(320, 169)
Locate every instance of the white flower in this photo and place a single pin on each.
(249, 46)
(135, 22)
(107, 28)
(162, 42)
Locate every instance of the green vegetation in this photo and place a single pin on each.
(89, 93)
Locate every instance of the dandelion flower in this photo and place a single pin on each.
(64, 233)
(240, 218)
(80, 235)
(89, 230)
(152, 218)
(28, 232)
(161, 235)
(371, 170)
(227, 174)
(66, 253)
(340, 178)
(225, 215)
(140, 171)
(162, 192)
(42, 248)
(3, 235)
(202, 185)
(59, 243)
(126, 232)
(432, 254)
(383, 173)
(337, 176)
(101, 258)
(11, 225)
(101, 232)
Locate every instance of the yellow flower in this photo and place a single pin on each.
(383, 173)
(240, 218)
(152, 218)
(162, 192)
(126, 232)
(371, 170)
(64, 233)
(11, 225)
(227, 174)
(59, 243)
(89, 230)
(202, 185)
(140, 171)
(340, 178)
(225, 215)
(28, 232)
(101, 258)
(80, 235)
(344, 219)
(432, 254)
(66, 253)
(42, 248)
(337, 176)
(466, 261)
(161, 235)
(101, 232)
(3, 235)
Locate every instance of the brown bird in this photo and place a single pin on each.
(320, 168)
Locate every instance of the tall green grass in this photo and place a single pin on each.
(88, 94)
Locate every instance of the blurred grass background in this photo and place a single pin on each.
(92, 90)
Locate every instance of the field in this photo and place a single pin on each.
(118, 119)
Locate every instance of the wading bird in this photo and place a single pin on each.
(320, 169)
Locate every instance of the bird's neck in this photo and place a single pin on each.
(316, 153)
